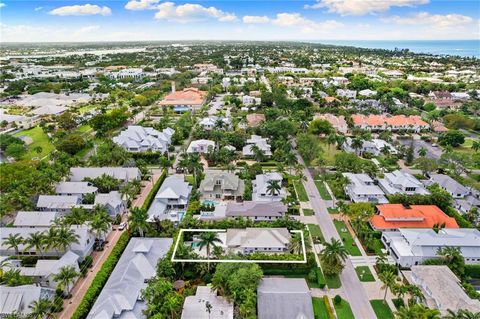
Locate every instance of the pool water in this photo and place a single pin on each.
(209, 202)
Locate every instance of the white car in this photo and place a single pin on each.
(122, 226)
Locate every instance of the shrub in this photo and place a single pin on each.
(472, 271)
(320, 278)
(337, 300)
(331, 314)
(398, 302)
(153, 192)
(101, 278)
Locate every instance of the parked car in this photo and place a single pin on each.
(122, 226)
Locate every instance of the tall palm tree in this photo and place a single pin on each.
(13, 241)
(388, 279)
(208, 239)
(65, 277)
(37, 241)
(417, 311)
(258, 153)
(100, 224)
(333, 256)
(295, 245)
(138, 220)
(40, 308)
(77, 216)
(357, 144)
(273, 187)
(461, 314)
(51, 238)
(66, 237)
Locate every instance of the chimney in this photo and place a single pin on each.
(173, 87)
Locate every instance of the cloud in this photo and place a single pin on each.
(189, 12)
(306, 25)
(2, 4)
(435, 20)
(87, 29)
(81, 10)
(38, 9)
(141, 5)
(255, 19)
(361, 7)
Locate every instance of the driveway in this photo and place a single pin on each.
(351, 285)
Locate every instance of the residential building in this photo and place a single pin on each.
(367, 93)
(257, 211)
(187, 99)
(132, 73)
(441, 289)
(401, 182)
(219, 184)
(121, 295)
(348, 94)
(83, 248)
(113, 202)
(393, 123)
(58, 203)
(261, 193)
(248, 100)
(79, 189)
(395, 216)
(258, 141)
(201, 146)
(409, 247)
(255, 119)
(194, 307)
(124, 174)
(211, 122)
(142, 139)
(35, 218)
(450, 185)
(171, 200)
(284, 298)
(264, 240)
(16, 300)
(337, 122)
(363, 189)
(49, 110)
(374, 146)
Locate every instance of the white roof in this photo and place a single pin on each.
(258, 237)
(75, 188)
(78, 174)
(34, 218)
(194, 306)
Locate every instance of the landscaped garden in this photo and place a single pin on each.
(364, 273)
(40, 145)
(315, 231)
(343, 310)
(320, 309)
(347, 238)
(308, 212)
(382, 310)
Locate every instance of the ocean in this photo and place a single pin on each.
(465, 48)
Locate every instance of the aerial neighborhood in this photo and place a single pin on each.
(222, 180)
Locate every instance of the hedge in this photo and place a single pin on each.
(320, 278)
(151, 196)
(472, 271)
(330, 311)
(101, 277)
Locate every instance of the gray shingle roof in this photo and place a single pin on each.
(78, 174)
(250, 208)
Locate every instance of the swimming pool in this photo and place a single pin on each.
(209, 202)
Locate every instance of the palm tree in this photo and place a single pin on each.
(100, 223)
(66, 237)
(65, 277)
(389, 280)
(462, 314)
(13, 241)
(273, 187)
(357, 144)
(258, 153)
(304, 125)
(331, 139)
(37, 241)
(333, 256)
(138, 220)
(476, 146)
(208, 308)
(295, 245)
(40, 308)
(422, 152)
(77, 216)
(51, 238)
(417, 311)
(208, 239)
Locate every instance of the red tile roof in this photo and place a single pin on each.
(397, 120)
(188, 96)
(393, 216)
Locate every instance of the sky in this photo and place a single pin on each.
(138, 20)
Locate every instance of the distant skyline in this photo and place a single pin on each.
(143, 20)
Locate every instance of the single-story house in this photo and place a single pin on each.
(201, 146)
(124, 174)
(258, 141)
(264, 240)
(257, 211)
(194, 307)
(260, 188)
(75, 188)
(18, 299)
(35, 218)
(401, 182)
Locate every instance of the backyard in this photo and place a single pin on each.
(347, 238)
(382, 310)
(39, 141)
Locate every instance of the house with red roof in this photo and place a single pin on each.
(394, 216)
(185, 100)
(383, 122)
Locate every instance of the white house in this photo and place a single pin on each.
(374, 147)
(362, 189)
(248, 100)
(75, 189)
(256, 211)
(134, 73)
(450, 185)
(367, 93)
(410, 247)
(401, 182)
(260, 188)
(18, 299)
(171, 200)
(211, 122)
(194, 306)
(260, 142)
(349, 94)
(251, 240)
(141, 139)
(58, 203)
(124, 174)
(113, 202)
(201, 146)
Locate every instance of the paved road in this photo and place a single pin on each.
(351, 285)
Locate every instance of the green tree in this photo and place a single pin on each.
(35, 240)
(332, 257)
(65, 277)
(71, 144)
(417, 311)
(451, 138)
(138, 220)
(66, 237)
(320, 126)
(39, 309)
(273, 187)
(388, 278)
(101, 221)
(208, 239)
(16, 151)
(13, 241)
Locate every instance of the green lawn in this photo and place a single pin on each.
(367, 274)
(333, 282)
(343, 310)
(347, 238)
(39, 138)
(301, 193)
(330, 152)
(84, 128)
(308, 212)
(322, 190)
(315, 231)
(465, 147)
(319, 308)
(382, 310)
(332, 210)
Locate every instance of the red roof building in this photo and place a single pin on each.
(394, 216)
(190, 97)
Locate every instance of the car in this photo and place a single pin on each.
(122, 226)
(434, 145)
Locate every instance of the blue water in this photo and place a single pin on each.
(209, 202)
(465, 48)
